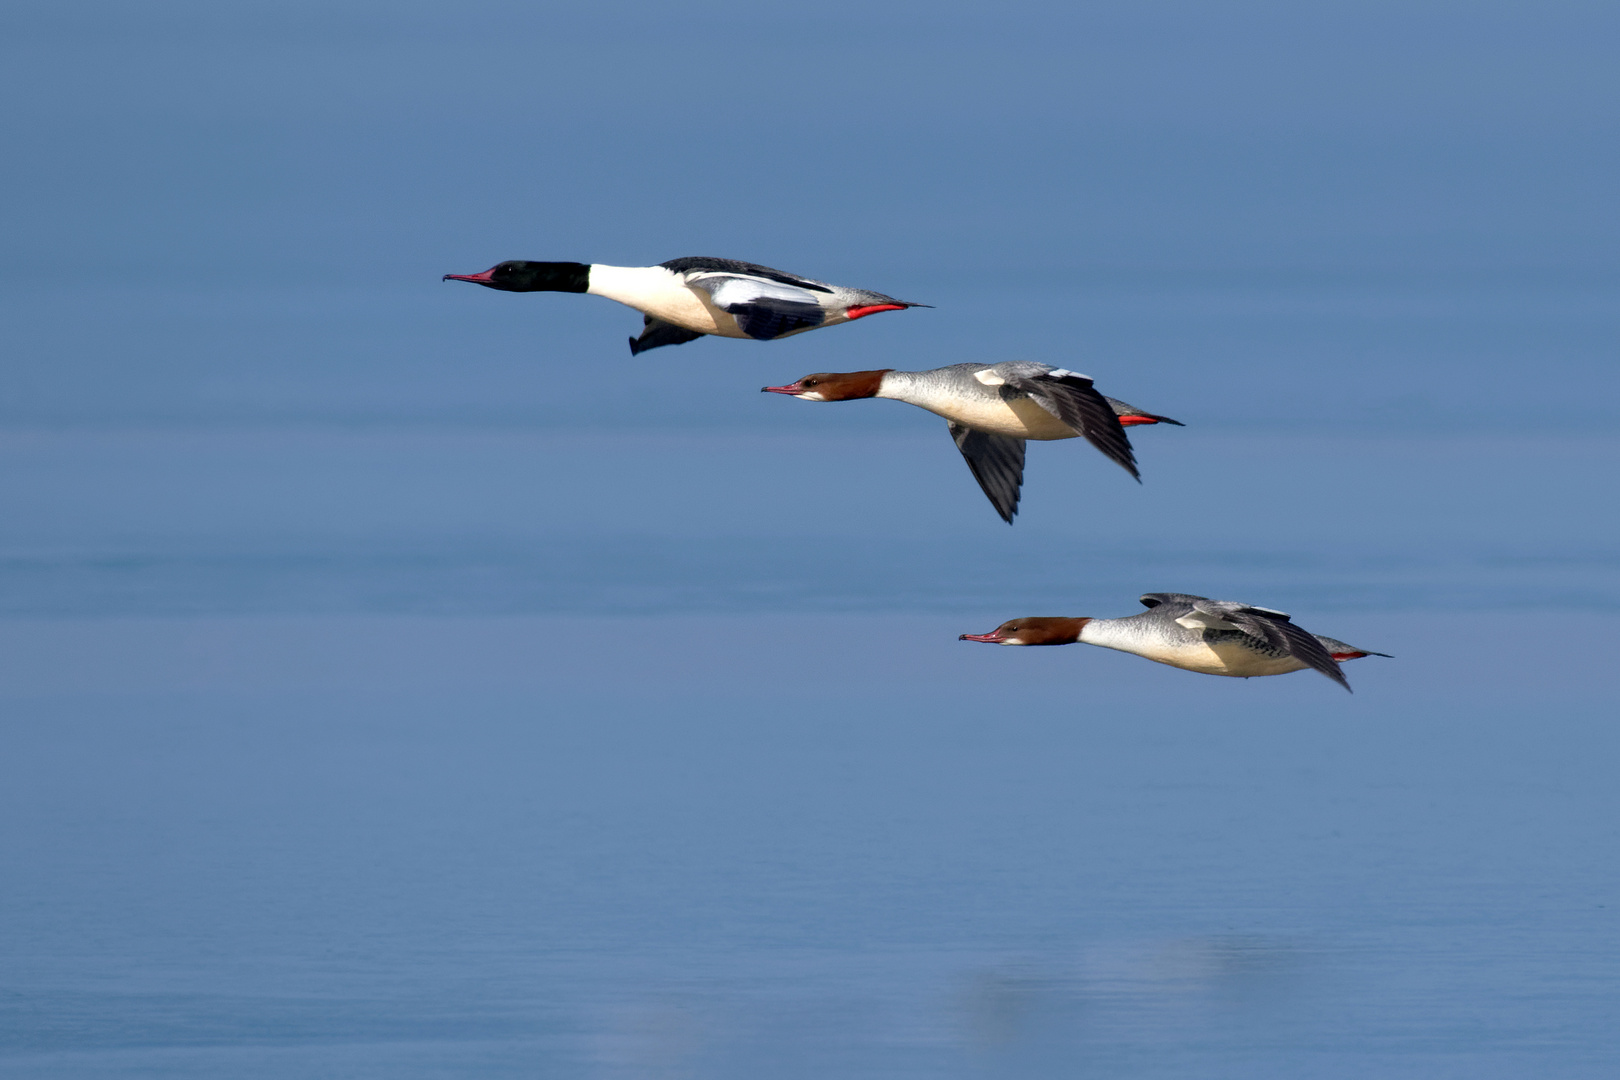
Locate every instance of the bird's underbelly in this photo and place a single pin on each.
(1019, 418)
(664, 298)
(691, 309)
(1217, 658)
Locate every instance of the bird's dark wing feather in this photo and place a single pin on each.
(656, 332)
(767, 318)
(1276, 629)
(1072, 399)
(997, 463)
(763, 309)
(736, 266)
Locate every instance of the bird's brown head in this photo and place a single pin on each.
(1032, 630)
(833, 386)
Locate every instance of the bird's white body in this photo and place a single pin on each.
(663, 294)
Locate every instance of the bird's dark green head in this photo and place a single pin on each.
(521, 275)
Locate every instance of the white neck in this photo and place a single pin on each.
(1109, 634)
(631, 285)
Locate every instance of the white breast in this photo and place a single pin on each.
(663, 294)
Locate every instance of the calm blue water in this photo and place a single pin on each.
(400, 751)
(398, 681)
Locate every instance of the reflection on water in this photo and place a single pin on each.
(1108, 989)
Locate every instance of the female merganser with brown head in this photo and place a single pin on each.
(684, 299)
(1215, 637)
(992, 410)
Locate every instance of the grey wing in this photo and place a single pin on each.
(1276, 629)
(1174, 599)
(1072, 399)
(997, 463)
(656, 332)
(764, 309)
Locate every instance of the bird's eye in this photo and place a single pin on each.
(810, 382)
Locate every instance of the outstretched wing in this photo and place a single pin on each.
(997, 463)
(763, 308)
(1275, 628)
(1071, 398)
(656, 332)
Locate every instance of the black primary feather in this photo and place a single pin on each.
(997, 463)
(1277, 630)
(1073, 400)
(735, 266)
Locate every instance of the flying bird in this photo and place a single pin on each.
(684, 299)
(992, 409)
(1215, 637)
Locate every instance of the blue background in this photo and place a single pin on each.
(401, 680)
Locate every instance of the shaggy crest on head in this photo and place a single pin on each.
(833, 386)
(1033, 630)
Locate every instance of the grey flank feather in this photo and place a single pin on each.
(997, 463)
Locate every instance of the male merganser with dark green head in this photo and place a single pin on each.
(684, 299)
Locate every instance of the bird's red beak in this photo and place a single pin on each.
(1127, 421)
(871, 309)
(790, 388)
(994, 637)
(482, 279)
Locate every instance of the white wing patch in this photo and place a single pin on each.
(728, 289)
(989, 377)
(1198, 620)
(1063, 372)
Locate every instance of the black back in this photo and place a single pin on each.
(706, 262)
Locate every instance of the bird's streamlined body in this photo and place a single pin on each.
(1213, 637)
(992, 410)
(684, 299)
